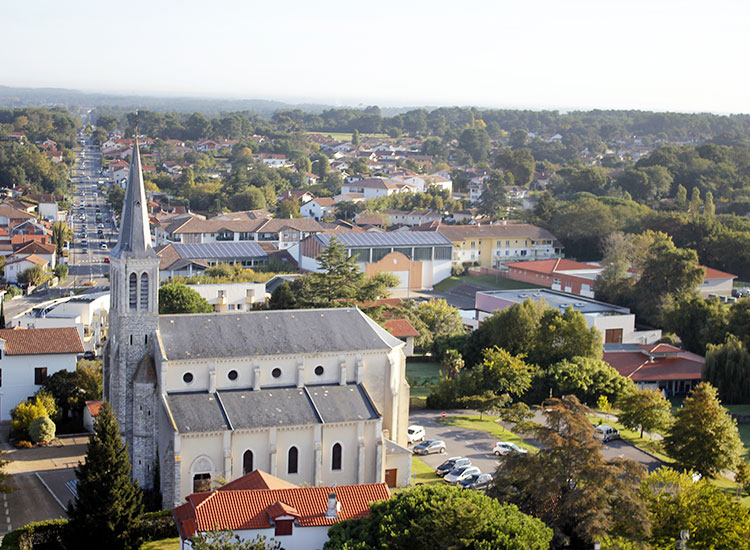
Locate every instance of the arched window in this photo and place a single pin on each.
(291, 466)
(144, 292)
(336, 457)
(133, 296)
(247, 462)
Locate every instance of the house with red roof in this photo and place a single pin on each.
(29, 356)
(404, 331)
(90, 411)
(657, 366)
(261, 504)
(716, 283)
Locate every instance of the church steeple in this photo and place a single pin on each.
(135, 237)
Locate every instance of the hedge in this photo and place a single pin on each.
(49, 535)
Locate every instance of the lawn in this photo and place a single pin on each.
(487, 281)
(163, 544)
(487, 424)
(421, 472)
(422, 376)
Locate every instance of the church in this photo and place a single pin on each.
(316, 397)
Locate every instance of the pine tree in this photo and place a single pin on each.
(704, 438)
(2, 314)
(340, 278)
(108, 503)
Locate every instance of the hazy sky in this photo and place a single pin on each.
(656, 54)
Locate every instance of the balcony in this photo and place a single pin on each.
(221, 301)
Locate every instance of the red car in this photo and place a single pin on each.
(106, 259)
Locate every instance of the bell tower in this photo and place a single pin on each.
(133, 317)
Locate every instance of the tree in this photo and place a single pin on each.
(676, 502)
(340, 275)
(282, 297)
(42, 430)
(34, 276)
(704, 437)
(355, 138)
(2, 312)
(71, 390)
(476, 142)
(60, 233)
(519, 162)
(227, 540)
(179, 298)
(646, 184)
(107, 502)
(485, 401)
(439, 517)
(680, 199)
(727, 367)
(695, 202)
(61, 272)
(698, 322)
(452, 363)
(569, 485)
(376, 286)
(586, 378)
(644, 409)
(23, 414)
(709, 209)
(564, 336)
(288, 209)
(440, 319)
(504, 373)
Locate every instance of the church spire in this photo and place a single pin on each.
(135, 237)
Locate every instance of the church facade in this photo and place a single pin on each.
(315, 397)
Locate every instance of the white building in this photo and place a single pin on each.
(232, 297)
(317, 208)
(420, 259)
(260, 504)
(616, 323)
(29, 357)
(15, 267)
(372, 188)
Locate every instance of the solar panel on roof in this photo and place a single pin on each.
(219, 250)
(401, 238)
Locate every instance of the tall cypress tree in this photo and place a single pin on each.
(2, 313)
(108, 503)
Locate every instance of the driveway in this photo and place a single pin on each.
(477, 445)
(462, 295)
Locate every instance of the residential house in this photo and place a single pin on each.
(29, 356)
(15, 267)
(10, 216)
(317, 208)
(557, 274)
(493, 244)
(372, 188)
(271, 159)
(615, 323)
(45, 251)
(259, 504)
(413, 217)
(296, 194)
(716, 283)
(657, 366)
(29, 230)
(90, 412)
(232, 297)
(419, 260)
(404, 331)
(54, 155)
(349, 197)
(206, 145)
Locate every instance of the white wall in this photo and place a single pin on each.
(18, 376)
(235, 293)
(302, 538)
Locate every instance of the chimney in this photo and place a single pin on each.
(333, 506)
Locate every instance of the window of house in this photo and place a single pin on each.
(283, 527)
(247, 462)
(380, 253)
(201, 483)
(221, 294)
(443, 253)
(473, 244)
(423, 253)
(336, 457)
(613, 336)
(40, 375)
(405, 251)
(507, 243)
(232, 307)
(291, 462)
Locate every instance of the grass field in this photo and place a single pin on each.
(163, 544)
(343, 136)
(424, 473)
(487, 424)
(487, 281)
(426, 374)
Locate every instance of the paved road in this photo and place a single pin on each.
(461, 295)
(29, 502)
(477, 445)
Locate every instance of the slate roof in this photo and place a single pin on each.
(401, 238)
(219, 250)
(280, 332)
(41, 341)
(253, 509)
(265, 408)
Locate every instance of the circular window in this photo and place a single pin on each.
(187, 377)
(276, 372)
(232, 375)
(319, 370)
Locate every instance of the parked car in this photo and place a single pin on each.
(506, 447)
(451, 463)
(477, 482)
(430, 446)
(415, 433)
(457, 474)
(89, 355)
(106, 259)
(606, 433)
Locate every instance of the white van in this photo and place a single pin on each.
(606, 433)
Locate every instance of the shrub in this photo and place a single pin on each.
(23, 414)
(42, 535)
(157, 525)
(457, 270)
(12, 292)
(23, 444)
(42, 430)
(61, 272)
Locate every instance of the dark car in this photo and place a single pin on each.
(89, 355)
(428, 447)
(477, 482)
(448, 465)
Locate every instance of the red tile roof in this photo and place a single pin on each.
(256, 480)
(400, 328)
(33, 258)
(550, 266)
(254, 509)
(637, 366)
(40, 341)
(712, 273)
(94, 407)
